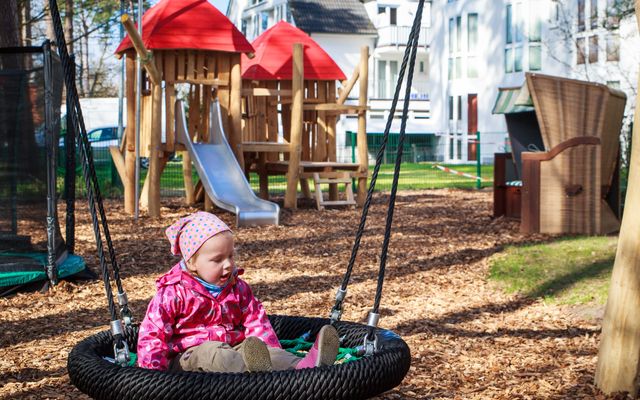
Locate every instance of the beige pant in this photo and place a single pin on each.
(221, 357)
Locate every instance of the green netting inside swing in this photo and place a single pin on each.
(299, 347)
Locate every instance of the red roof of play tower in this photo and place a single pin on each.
(188, 24)
(273, 58)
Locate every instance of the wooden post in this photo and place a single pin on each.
(235, 110)
(146, 57)
(130, 133)
(619, 354)
(297, 104)
(155, 168)
(363, 152)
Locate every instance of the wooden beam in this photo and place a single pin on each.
(235, 110)
(118, 161)
(155, 167)
(144, 193)
(258, 92)
(146, 57)
(266, 147)
(187, 177)
(363, 152)
(350, 84)
(336, 107)
(130, 137)
(297, 85)
(618, 364)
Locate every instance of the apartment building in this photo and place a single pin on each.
(467, 50)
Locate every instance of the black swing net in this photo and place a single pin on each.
(100, 364)
(32, 249)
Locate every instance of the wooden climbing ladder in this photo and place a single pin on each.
(333, 178)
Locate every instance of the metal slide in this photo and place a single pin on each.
(221, 175)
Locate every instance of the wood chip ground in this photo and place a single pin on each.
(468, 340)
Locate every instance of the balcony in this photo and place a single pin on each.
(384, 89)
(399, 35)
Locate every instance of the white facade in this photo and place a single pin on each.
(469, 49)
(482, 45)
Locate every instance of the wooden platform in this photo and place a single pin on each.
(311, 166)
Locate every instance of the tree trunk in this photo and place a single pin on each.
(618, 365)
(51, 32)
(9, 23)
(68, 25)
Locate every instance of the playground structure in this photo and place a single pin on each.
(32, 249)
(564, 136)
(210, 67)
(209, 70)
(292, 75)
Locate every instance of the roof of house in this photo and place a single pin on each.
(332, 16)
(273, 57)
(188, 24)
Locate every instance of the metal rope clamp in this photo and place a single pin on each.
(124, 308)
(120, 354)
(336, 311)
(370, 346)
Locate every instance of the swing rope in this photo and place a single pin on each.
(93, 194)
(408, 58)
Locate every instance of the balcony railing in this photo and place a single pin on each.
(399, 35)
(384, 89)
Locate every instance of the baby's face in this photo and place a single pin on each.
(214, 262)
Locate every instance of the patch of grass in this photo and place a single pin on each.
(413, 176)
(574, 270)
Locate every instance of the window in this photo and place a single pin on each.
(594, 14)
(580, 51)
(243, 28)
(508, 60)
(452, 28)
(613, 47)
(381, 10)
(450, 108)
(614, 84)
(517, 62)
(264, 21)
(613, 13)
(459, 108)
(459, 33)
(421, 67)
(393, 16)
(519, 23)
(535, 58)
(472, 45)
(593, 49)
(451, 33)
(382, 79)
(393, 72)
(509, 24)
(523, 51)
(472, 32)
(581, 16)
(535, 25)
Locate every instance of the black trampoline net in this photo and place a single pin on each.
(23, 151)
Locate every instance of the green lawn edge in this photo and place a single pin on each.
(569, 270)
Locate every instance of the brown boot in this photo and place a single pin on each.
(256, 355)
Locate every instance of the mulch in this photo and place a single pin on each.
(468, 339)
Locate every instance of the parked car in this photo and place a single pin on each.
(100, 139)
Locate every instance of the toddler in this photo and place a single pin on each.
(204, 318)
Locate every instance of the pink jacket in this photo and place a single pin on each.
(184, 314)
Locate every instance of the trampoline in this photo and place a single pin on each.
(31, 245)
